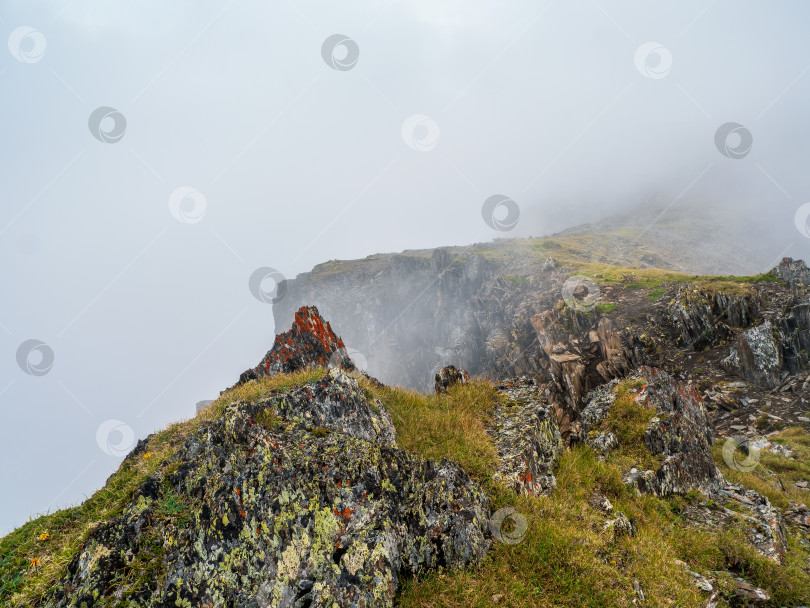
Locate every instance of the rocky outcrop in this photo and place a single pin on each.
(679, 433)
(621, 351)
(598, 404)
(309, 343)
(297, 499)
(703, 319)
(749, 593)
(798, 515)
(580, 352)
(750, 510)
(620, 526)
(792, 334)
(602, 443)
(525, 433)
(794, 272)
(756, 356)
(449, 376)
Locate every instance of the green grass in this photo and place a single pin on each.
(767, 277)
(605, 307)
(450, 425)
(655, 294)
(629, 419)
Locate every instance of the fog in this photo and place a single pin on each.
(240, 135)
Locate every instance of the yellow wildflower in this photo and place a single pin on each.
(44, 536)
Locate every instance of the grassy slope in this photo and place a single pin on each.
(566, 559)
(593, 255)
(581, 254)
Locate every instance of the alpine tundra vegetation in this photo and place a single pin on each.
(637, 438)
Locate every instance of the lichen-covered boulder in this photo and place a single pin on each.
(525, 433)
(680, 432)
(449, 376)
(597, 404)
(299, 499)
(335, 403)
(756, 356)
(310, 342)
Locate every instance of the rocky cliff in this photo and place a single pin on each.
(411, 314)
(610, 435)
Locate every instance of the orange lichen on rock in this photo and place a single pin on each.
(310, 342)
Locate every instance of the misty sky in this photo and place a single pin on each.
(234, 138)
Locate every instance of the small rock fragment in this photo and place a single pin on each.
(449, 376)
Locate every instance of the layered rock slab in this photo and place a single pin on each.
(702, 319)
(756, 356)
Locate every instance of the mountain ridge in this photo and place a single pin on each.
(577, 465)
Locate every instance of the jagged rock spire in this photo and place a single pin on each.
(310, 342)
